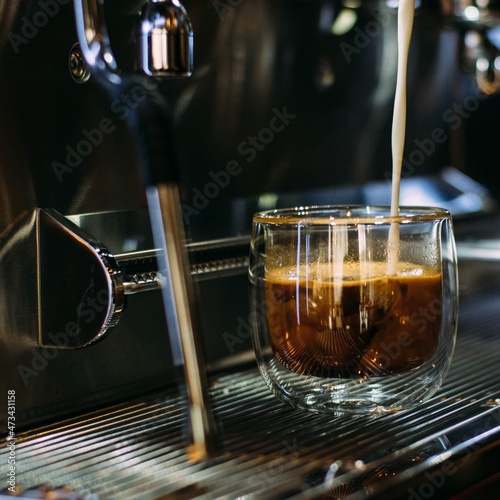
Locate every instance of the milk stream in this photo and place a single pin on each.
(405, 24)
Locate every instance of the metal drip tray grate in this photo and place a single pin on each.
(269, 450)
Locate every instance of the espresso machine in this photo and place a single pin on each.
(137, 140)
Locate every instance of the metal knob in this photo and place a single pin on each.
(165, 39)
(78, 304)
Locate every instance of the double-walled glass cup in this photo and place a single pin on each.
(353, 310)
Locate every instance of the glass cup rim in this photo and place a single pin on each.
(367, 214)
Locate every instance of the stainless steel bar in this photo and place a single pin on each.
(178, 294)
(487, 250)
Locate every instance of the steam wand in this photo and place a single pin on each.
(151, 126)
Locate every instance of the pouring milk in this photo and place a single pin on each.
(405, 23)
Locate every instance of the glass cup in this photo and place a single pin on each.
(353, 310)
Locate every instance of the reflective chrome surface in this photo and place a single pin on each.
(251, 59)
(135, 449)
(180, 311)
(165, 39)
(93, 37)
(72, 286)
(479, 25)
(80, 285)
(78, 68)
(314, 79)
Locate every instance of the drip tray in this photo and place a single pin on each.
(271, 451)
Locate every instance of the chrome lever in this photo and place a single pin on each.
(93, 38)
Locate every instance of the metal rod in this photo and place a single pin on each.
(178, 296)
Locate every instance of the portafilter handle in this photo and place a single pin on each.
(151, 127)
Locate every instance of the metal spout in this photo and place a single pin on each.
(165, 40)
